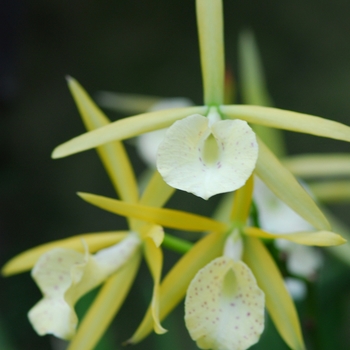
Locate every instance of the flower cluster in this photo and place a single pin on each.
(228, 276)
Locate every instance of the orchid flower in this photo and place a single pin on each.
(116, 275)
(204, 157)
(206, 257)
(224, 307)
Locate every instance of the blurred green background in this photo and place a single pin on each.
(147, 47)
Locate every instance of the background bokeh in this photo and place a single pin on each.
(147, 47)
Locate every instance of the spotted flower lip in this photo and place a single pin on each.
(224, 307)
(207, 157)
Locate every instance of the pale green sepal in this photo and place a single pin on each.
(105, 306)
(160, 216)
(175, 283)
(284, 185)
(317, 238)
(65, 275)
(318, 165)
(254, 90)
(251, 71)
(95, 241)
(331, 191)
(278, 301)
(125, 128)
(126, 103)
(224, 307)
(288, 120)
(211, 43)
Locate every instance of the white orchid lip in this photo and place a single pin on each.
(64, 275)
(224, 307)
(207, 156)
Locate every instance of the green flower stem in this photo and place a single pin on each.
(211, 43)
(176, 244)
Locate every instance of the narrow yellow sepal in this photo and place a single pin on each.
(125, 128)
(105, 306)
(175, 283)
(285, 186)
(318, 165)
(278, 301)
(159, 216)
(288, 120)
(154, 258)
(242, 201)
(211, 42)
(113, 154)
(95, 241)
(157, 192)
(317, 238)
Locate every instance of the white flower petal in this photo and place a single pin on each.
(275, 216)
(207, 160)
(147, 144)
(224, 307)
(64, 275)
(302, 260)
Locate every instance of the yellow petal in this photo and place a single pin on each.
(159, 216)
(156, 233)
(154, 258)
(211, 42)
(318, 238)
(113, 155)
(125, 128)
(96, 241)
(242, 201)
(278, 301)
(318, 165)
(331, 191)
(175, 283)
(284, 185)
(106, 305)
(224, 307)
(206, 159)
(288, 120)
(157, 192)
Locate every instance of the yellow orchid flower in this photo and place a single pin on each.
(83, 271)
(256, 260)
(210, 28)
